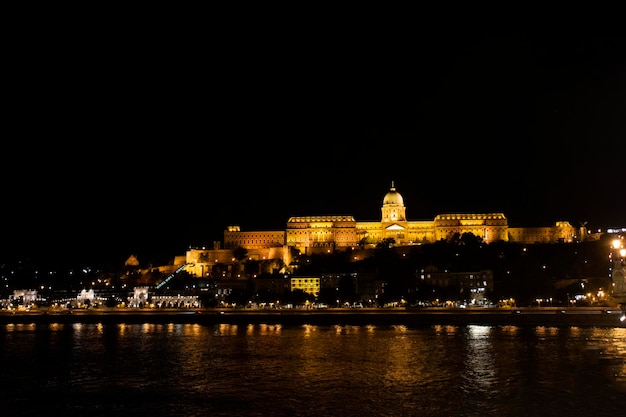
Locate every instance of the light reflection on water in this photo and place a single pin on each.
(275, 370)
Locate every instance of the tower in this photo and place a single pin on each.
(393, 219)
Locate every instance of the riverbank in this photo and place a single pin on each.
(547, 316)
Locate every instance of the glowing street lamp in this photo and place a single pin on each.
(618, 256)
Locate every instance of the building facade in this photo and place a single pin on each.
(272, 251)
(318, 234)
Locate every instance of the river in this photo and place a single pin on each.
(192, 369)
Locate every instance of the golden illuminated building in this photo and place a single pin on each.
(274, 249)
(324, 233)
(234, 237)
(310, 285)
(561, 232)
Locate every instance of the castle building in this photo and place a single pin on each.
(323, 234)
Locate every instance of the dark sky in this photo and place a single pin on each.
(149, 138)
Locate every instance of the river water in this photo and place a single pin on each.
(303, 370)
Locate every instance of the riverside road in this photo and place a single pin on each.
(544, 316)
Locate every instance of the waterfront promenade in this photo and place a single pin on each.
(545, 316)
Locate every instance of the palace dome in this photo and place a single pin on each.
(393, 198)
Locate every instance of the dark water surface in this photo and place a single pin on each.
(276, 370)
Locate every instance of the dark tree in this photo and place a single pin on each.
(240, 253)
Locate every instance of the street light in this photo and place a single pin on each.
(618, 278)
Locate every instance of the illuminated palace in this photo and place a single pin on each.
(322, 234)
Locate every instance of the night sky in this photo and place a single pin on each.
(130, 141)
